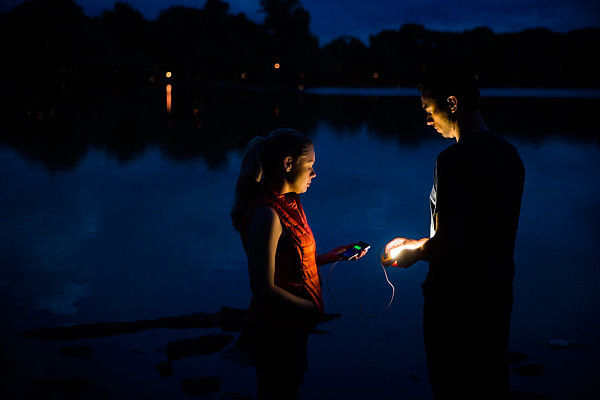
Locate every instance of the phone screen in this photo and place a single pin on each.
(354, 250)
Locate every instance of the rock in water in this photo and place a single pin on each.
(206, 344)
(567, 344)
(530, 370)
(73, 387)
(199, 386)
(77, 351)
(516, 357)
(164, 368)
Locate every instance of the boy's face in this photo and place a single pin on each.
(439, 117)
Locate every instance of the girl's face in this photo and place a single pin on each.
(302, 172)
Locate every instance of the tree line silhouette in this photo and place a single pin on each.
(51, 47)
(71, 82)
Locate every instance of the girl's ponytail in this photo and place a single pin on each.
(251, 173)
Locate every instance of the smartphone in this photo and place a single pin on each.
(354, 251)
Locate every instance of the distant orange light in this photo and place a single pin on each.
(152, 79)
(300, 87)
(244, 75)
(169, 89)
(277, 66)
(376, 75)
(168, 74)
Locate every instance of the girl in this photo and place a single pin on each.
(282, 260)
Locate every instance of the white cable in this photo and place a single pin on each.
(361, 305)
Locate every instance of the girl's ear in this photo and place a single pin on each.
(288, 162)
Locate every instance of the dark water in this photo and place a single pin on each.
(132, 223)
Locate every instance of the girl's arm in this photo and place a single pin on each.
(265, 231)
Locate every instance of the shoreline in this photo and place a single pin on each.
(208, 364)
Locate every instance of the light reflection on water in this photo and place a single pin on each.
(152, 237)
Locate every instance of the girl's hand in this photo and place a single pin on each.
(335, 255)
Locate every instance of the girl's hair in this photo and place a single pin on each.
(264, 157)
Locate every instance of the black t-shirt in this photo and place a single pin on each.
(480, 177)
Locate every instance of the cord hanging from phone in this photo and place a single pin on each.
(361, 305)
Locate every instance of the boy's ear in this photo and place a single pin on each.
(452, 102)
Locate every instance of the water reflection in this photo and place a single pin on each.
(133, 223)
(207, 123)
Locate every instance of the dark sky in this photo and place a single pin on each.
(361, 18)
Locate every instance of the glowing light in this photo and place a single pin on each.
(395, 252)
(152, 79)
(244, 75)
(300, 87)
(169, 89)
(276, 65)
(375, 75)
(168, 74)
(392, 255)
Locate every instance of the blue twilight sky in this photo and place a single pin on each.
(361, 18)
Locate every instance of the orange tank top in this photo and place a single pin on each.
(295, 259)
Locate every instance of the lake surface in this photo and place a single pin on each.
(122, 226)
